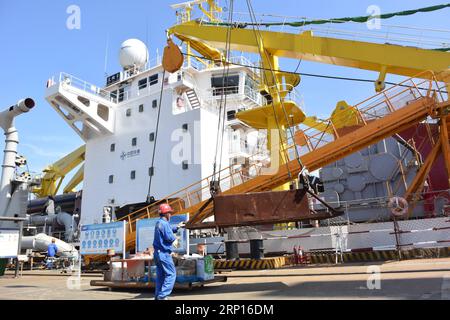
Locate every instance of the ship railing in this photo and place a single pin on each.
(152, 63)
(238, 60)
(235, 93)
(384, 103)
(71, 81)
(287, 92)
(375, 30)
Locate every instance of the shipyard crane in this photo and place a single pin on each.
(55, 173)
(388, 112)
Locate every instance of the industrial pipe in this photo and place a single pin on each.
(62, 219)
(11, 142)
(41, 241)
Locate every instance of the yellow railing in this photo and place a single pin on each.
(373, 108)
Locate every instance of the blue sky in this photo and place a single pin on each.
(37, 45)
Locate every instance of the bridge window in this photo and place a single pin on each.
(225, 85)
(151, 171)
(121, 94)
(153, 79)
(128, 112)
(141, 108)
(155, 104)
(231, 115)
(152, 137)
(134, 142)
(113, 147)
(142, 84)
(111, 179)
(133, 175)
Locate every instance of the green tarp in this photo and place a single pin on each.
(360, 19)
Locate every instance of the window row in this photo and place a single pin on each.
(151, 138)
(150, 81)
(141, 108)
(134, 142)
(151, 172)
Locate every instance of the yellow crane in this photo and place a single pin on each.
(55, 173)
(381, 58)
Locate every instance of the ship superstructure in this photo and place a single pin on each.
(119, 125)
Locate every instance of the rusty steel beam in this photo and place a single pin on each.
(265, 208)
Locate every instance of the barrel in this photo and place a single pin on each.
(257, 249)
(231, 248)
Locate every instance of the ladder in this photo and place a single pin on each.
(194, 101)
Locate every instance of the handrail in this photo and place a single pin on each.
(67, 79)
(234, 91)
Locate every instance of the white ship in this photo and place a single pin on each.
(149, 133)
(119, 125)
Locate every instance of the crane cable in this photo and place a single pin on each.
(156, 138)
(273, 106)
(313, 75)
(289, 128)
(222, 109)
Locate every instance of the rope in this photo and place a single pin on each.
(359, 19)
(156, 136)
(222, 105)
(314, 75)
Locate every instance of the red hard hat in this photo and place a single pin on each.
(165, 209)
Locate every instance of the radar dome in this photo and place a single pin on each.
(133, 52)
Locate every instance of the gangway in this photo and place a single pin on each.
(383, 115)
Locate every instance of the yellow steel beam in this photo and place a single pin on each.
(56, 172)
(75, 181)
(395, 59)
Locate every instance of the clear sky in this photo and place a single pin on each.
(37, 45)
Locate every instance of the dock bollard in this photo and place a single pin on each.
(257, 249)
(231, 249)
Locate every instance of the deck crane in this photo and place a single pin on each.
(382, 58)
(388, 112)
(55, 173)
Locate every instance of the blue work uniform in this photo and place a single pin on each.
(52, 249)
(166, 273)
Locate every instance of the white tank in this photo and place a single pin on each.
(133, 53)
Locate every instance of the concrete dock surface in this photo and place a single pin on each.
(427, 279)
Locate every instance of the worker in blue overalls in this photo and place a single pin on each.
(166, 273)
(52, 250)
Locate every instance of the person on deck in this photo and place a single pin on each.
(52, 250)
(165, 268)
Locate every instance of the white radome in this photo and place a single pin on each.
(133, 52)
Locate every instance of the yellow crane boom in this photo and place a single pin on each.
(383, 58)
(55, 173)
